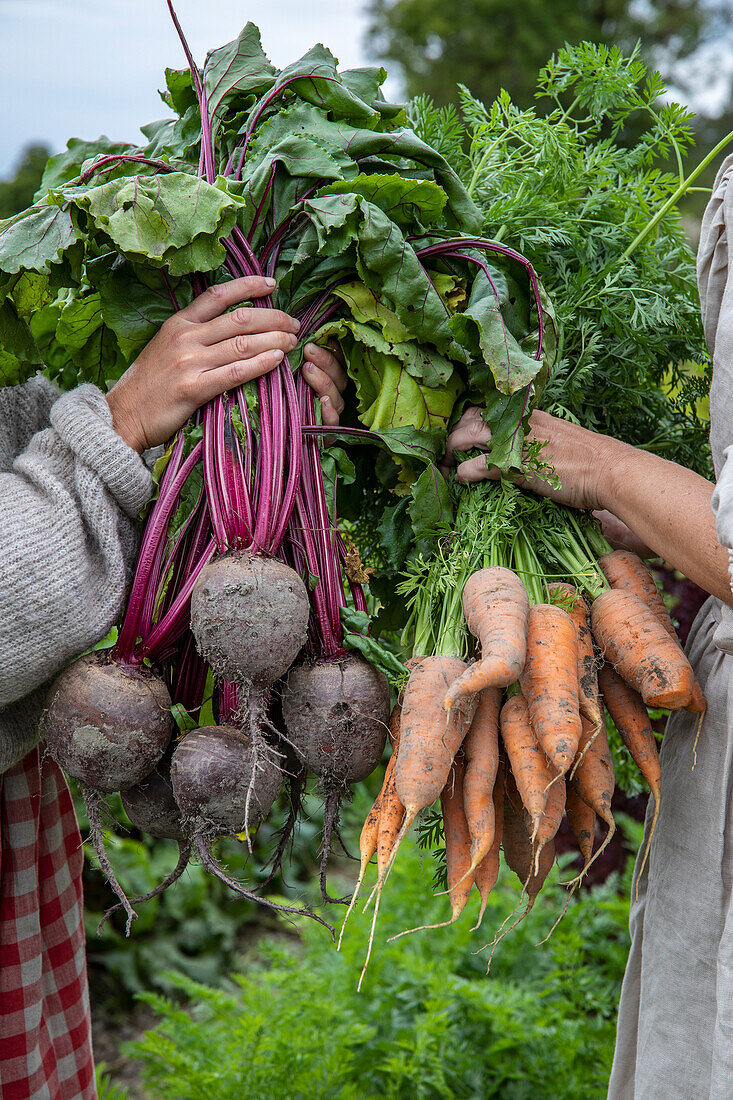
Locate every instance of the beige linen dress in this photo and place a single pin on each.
(675, 1026)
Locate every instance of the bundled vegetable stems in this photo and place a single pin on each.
(558, 634)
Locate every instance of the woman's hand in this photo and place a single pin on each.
(324, 370)
(580, 458)
(198, 353)
(667, 507)
(202, 351)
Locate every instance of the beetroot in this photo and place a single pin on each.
(249, 615)
(107, 724)
(151, 807)
(223, 784)
(219, 784)
(336, 712)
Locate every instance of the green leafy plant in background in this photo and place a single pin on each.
(429, 1024)
(598, 219)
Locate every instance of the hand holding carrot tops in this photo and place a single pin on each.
(643, 501)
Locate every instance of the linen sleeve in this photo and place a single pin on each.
(68, 535)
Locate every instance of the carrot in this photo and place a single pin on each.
(429, 739)
(577, 609)
(549, 823)
(550, 683)
(368, 838)
(641, 650)
(594, 781)
(631, 719)
(481, 752)
(457, 847)
(391, 817)
(517, 843)
(496, 606)
(487, 871)
(582, 822)
(531, 771)
(625, 570)
(520, 857)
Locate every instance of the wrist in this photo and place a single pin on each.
(123, 423)
(612, 469)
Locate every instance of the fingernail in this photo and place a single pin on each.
(293, 339)
(278, 355)
(325, 400)
(271, 282)
(309, 367)
(297, 324)
(310, 348)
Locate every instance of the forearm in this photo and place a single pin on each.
(67, 540)
(667, 507)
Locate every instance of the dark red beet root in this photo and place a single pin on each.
(107, 724)
(151, 807)
(249, 615)
(336, 713)
(184, 858)
(223, 786)
(220, 785)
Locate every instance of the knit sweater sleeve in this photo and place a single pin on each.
(68, 533)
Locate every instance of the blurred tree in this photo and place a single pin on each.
(493, 44)
(16, 193)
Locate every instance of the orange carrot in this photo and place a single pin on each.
(457, 839)
(496, 606)
(429, 738)
(577, 609)
(594, 781)
(391, 817)
(520, 857)
(582, 821)
(457, 847)
(368, 838)
(549, 823)
(487, 871)
(624, 569)
(481, 752)
(631, 719)
(550, 683)
(517, 844)
(530, 768)
(640, 649)
(429, 741)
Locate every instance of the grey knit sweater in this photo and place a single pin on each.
(70, 492)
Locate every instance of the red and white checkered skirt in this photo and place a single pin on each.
(45, 1024)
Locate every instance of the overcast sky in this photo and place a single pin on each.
(80, 68)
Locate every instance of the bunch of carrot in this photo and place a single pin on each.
(517, 738)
